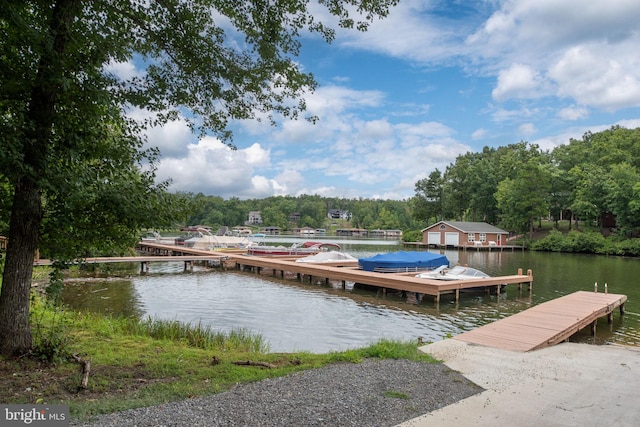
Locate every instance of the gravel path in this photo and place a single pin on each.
(372, 393)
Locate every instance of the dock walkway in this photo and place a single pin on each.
(348, 272)
(548, 323)
(395, 281)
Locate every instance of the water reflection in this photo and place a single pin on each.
(296, 316)
(104, 296)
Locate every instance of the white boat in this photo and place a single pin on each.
(330, 256)
(459, 272)
(306, 248)
(205, 240)
(155, 237)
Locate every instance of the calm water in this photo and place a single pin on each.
(293, 316)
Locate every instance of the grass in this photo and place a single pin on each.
(148, 362)
(395, 394)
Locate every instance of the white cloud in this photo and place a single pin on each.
(519, 81)
(591, 76)
(410, 31)
(124, 70)
(586, 49)
(333, 105)
(551, 141)
(479, 134)
(211, 167)
(527, 129)
(504, 115)
(172, 139)
(573, 113)
(528, 45)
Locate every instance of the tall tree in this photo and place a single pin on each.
(55, 56)
(428, 201)
(524, 199)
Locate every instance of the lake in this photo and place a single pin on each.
(294, 316)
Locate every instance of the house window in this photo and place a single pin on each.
(483, 237)
(442, 227)
(471, 237)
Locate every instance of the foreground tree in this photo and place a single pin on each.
(58, 99)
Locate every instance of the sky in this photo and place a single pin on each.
(434, 80)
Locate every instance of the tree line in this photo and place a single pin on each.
(515, 186)
(312, 211)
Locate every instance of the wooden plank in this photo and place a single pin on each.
(545, 324)
(159, 258)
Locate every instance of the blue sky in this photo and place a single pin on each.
(434, 80)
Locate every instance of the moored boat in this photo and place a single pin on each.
(459, 272)
(328, 257)
(402, 262)
(306, 248)
(204, 240)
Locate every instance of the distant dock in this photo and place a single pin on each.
(469, 247)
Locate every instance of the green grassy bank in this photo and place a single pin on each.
(133, 363)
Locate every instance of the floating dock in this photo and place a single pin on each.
(144, 261)
(548, 323)
(406, 282)
(348, 272)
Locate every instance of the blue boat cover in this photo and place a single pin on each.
(402, 260)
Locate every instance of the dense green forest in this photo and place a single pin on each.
(593, 181)
(312, 211)
(587, 180)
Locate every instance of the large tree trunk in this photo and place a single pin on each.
(15, 332)
(26, 212)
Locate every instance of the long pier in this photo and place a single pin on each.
(394, 281)
(548, 323)
(348, 272)
(145, 260)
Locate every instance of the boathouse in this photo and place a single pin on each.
(461, 233)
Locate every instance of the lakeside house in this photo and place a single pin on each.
(339, 214)
(255, 217)
(462, 233)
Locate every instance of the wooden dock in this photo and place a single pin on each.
(146, 260)
(395, 281)
(548, 323)
(348, 272)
